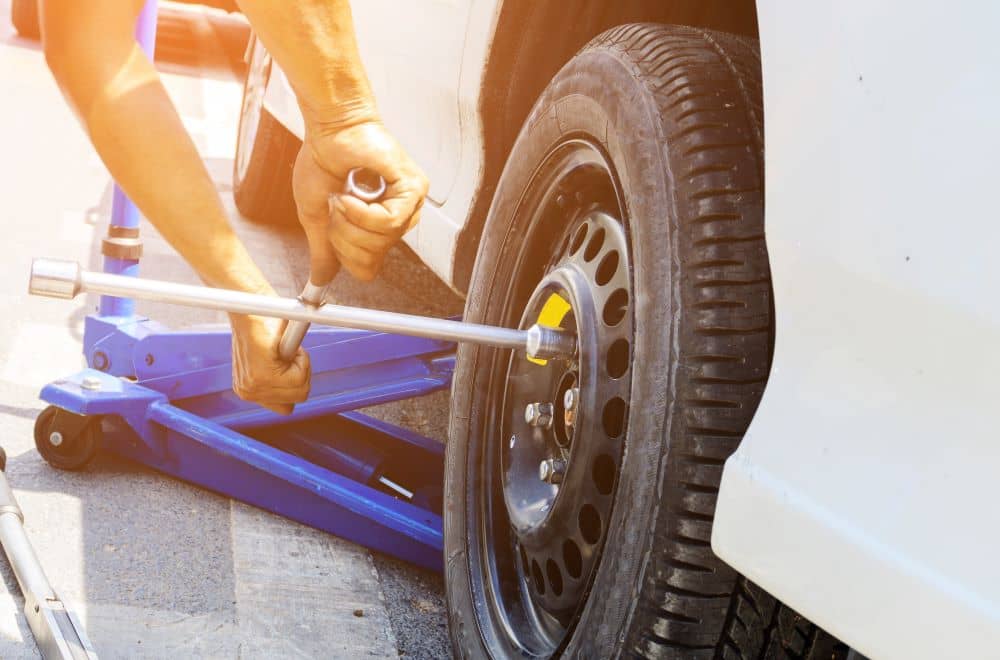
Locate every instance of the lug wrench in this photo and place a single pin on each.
(56, 278)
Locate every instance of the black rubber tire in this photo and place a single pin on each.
(24, 16)
(678, 113)
(81, 438)
(264, 192)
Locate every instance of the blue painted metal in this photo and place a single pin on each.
(109, 342)
(323, 465)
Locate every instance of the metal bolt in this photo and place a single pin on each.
(571, 399)
(55, 438)
(91, 383)
(544, 343)
(551, 470)
(539, 414)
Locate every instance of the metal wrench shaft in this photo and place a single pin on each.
(57, 278)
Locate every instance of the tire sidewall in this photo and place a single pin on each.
(609, 103)
(242, 129)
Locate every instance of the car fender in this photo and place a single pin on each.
(864, 493)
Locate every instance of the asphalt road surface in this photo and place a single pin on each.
(153, 566)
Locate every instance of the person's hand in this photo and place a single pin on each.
(341, 227)
(259, 375)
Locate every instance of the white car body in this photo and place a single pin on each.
(864, 494)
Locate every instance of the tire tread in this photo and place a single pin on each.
(708, 89)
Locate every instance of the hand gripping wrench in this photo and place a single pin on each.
(367, 186)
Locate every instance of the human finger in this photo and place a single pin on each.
(345, 230)
(388, 217)
(361, 263)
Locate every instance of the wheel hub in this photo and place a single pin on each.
(564, 419)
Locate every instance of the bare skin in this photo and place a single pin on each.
(122, 104)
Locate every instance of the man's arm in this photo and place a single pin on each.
(123, 106)
(121, 102)
(314, 42)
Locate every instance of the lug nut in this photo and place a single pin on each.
(551, 470)
(539, 415)
(55, 438)
(571, 399)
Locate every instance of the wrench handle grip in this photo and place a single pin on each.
(368, 186)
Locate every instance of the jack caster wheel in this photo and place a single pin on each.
(66, 440)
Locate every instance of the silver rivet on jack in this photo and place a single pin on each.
(539, 415)
(91, 383)
(551, 470)
(55, 438)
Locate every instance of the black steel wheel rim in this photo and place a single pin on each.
(541, 542)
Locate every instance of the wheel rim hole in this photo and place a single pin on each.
(555, 577)
(618, 358)
(615, 307)
(614, 417)
(537, 577)
(607, 269)
(590, 524)
(594, 245)
(603, 472)
(578, 238)
(572, 559)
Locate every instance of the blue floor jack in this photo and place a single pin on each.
(164, 398)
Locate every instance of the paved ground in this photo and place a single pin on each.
(155, 567)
